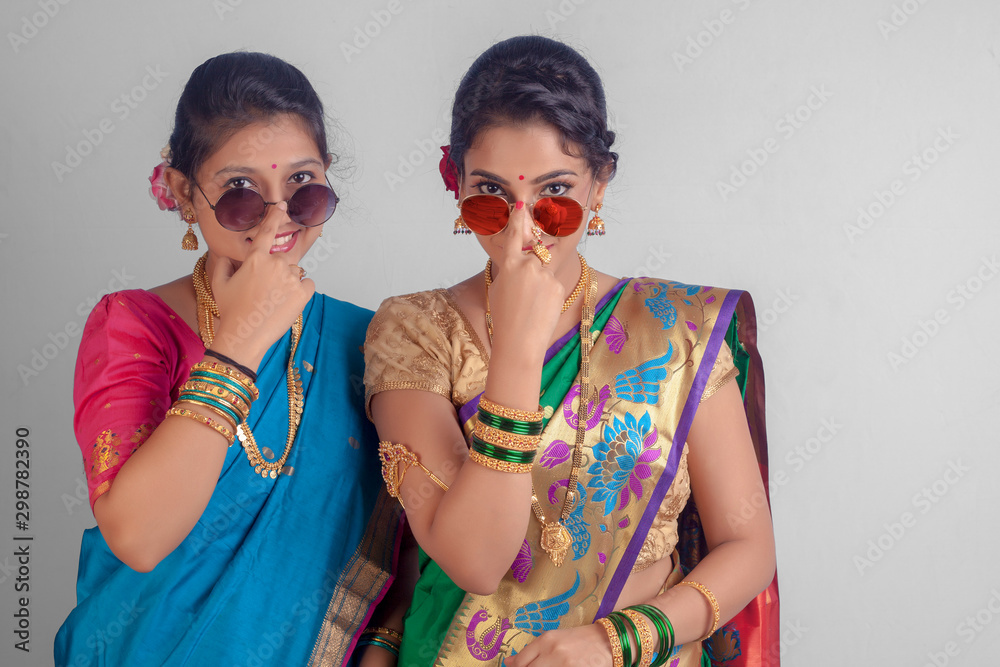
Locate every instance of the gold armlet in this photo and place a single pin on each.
(396, 460)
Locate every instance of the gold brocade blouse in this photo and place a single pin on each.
(423, 341)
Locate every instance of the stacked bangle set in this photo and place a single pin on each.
(623, 626)
(384, 638)
(220, 389)
(630, 624)
(505, 439)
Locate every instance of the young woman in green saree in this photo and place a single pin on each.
(544, 425)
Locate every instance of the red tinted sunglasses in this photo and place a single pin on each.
(240, 209)
(556, 216)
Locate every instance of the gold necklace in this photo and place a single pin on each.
(584, 277)
(207, 308)
(555, 539)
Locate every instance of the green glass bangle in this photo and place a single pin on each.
(220, 379)
(509, 425)
(657, 618)
(502, 453)
(194, 398)
(381, 643)
(616, 620)
(208, 395)
(629, 623)
(664, 629)
(240, 394)
(223, 382)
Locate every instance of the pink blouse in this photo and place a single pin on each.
(135, 354)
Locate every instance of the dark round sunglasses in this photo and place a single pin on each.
(240, 209)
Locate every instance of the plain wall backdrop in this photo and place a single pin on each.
(836, 159)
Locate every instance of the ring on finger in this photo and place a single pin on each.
(542, 253)
(302, 272)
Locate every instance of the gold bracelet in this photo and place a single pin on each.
(388, 632)
(230, 372)
(711, 601)
(509, 413)
(202, 419)
(617, 657)
(501, 438)
(502, 466)
(227, 420)
(234, 400)
(645, 647)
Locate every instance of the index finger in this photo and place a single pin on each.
(517, 234)
(269, 227)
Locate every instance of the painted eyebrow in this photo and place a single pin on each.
(553, 174)
(538, 181)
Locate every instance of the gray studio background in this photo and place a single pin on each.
(838, 160)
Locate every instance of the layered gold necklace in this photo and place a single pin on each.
(584, 277)
(207, 309)
(556, 539)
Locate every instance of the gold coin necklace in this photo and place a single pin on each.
(556, 539)
(207, 308)
(584, 277)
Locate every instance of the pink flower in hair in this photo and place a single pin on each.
(449, 172)
(159, 190)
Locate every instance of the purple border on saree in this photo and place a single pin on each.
(621, 575)
(466, 411)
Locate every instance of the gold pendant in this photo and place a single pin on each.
(556, 541)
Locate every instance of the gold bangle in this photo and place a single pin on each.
(234, 400)
(501, 438)
(388, 632)
(393, 455)
(617, 657)
(202, 419)
(645, 647)
(188, 397)
(510, 413)
(230, 372)
(228, 420)
(711, 601)
(502, 466)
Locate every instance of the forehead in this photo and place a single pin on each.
(267, 141)
(529, 150)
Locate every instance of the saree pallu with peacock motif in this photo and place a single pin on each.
(650, 367)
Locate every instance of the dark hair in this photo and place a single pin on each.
(228, 92)
(530, 78)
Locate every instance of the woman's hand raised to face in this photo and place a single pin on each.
(526, 296)
(259, 301)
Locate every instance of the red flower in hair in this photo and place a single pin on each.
(449, 172)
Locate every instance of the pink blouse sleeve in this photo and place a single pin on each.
(125, 373)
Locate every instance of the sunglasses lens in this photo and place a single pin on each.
(558, 216)
(485, 214)
(312, 205)
(239, 209)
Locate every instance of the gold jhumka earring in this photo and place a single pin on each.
(190, 241)
(596, 226)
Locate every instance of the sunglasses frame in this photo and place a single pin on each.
(510, 209)
(329, 186)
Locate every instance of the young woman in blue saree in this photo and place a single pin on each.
(240, 517)
(573, 451)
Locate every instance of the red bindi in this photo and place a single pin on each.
(274, 166)
(520, 178)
